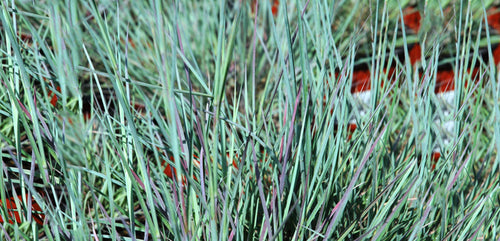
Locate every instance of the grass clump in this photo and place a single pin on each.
(249, 120)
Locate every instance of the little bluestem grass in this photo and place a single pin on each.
(249, 106)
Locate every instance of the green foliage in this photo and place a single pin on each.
(251, 106)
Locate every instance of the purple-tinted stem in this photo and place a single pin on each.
(30, 184)
(458, 173)
(267, 221)
(459, 224)
(289, 142)
(427, 209)
(93, 226)
(177, 205)
(254, 40)
(477, 229)
(283, 137)
(24, 109)
(22, 106)
(387, 221)
(158, 196)
(179, 127)
(294, 37)
(101, 207)
(146, 230)
(40, 117)
(137, 178)
(470, 94)
(362, 237)
(340, 205)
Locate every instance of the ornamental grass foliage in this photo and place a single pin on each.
(250, 120)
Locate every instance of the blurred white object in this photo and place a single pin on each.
(362, 103)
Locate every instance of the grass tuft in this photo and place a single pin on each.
(249, 120)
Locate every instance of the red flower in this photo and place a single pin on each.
(444, 81)
(14, 212)
(53, 97)
(360, 81)
(494, 19)
(415, 54)
(496, 55)
(412, 19)
(434, 159)
(274, 7)
(171, 172)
